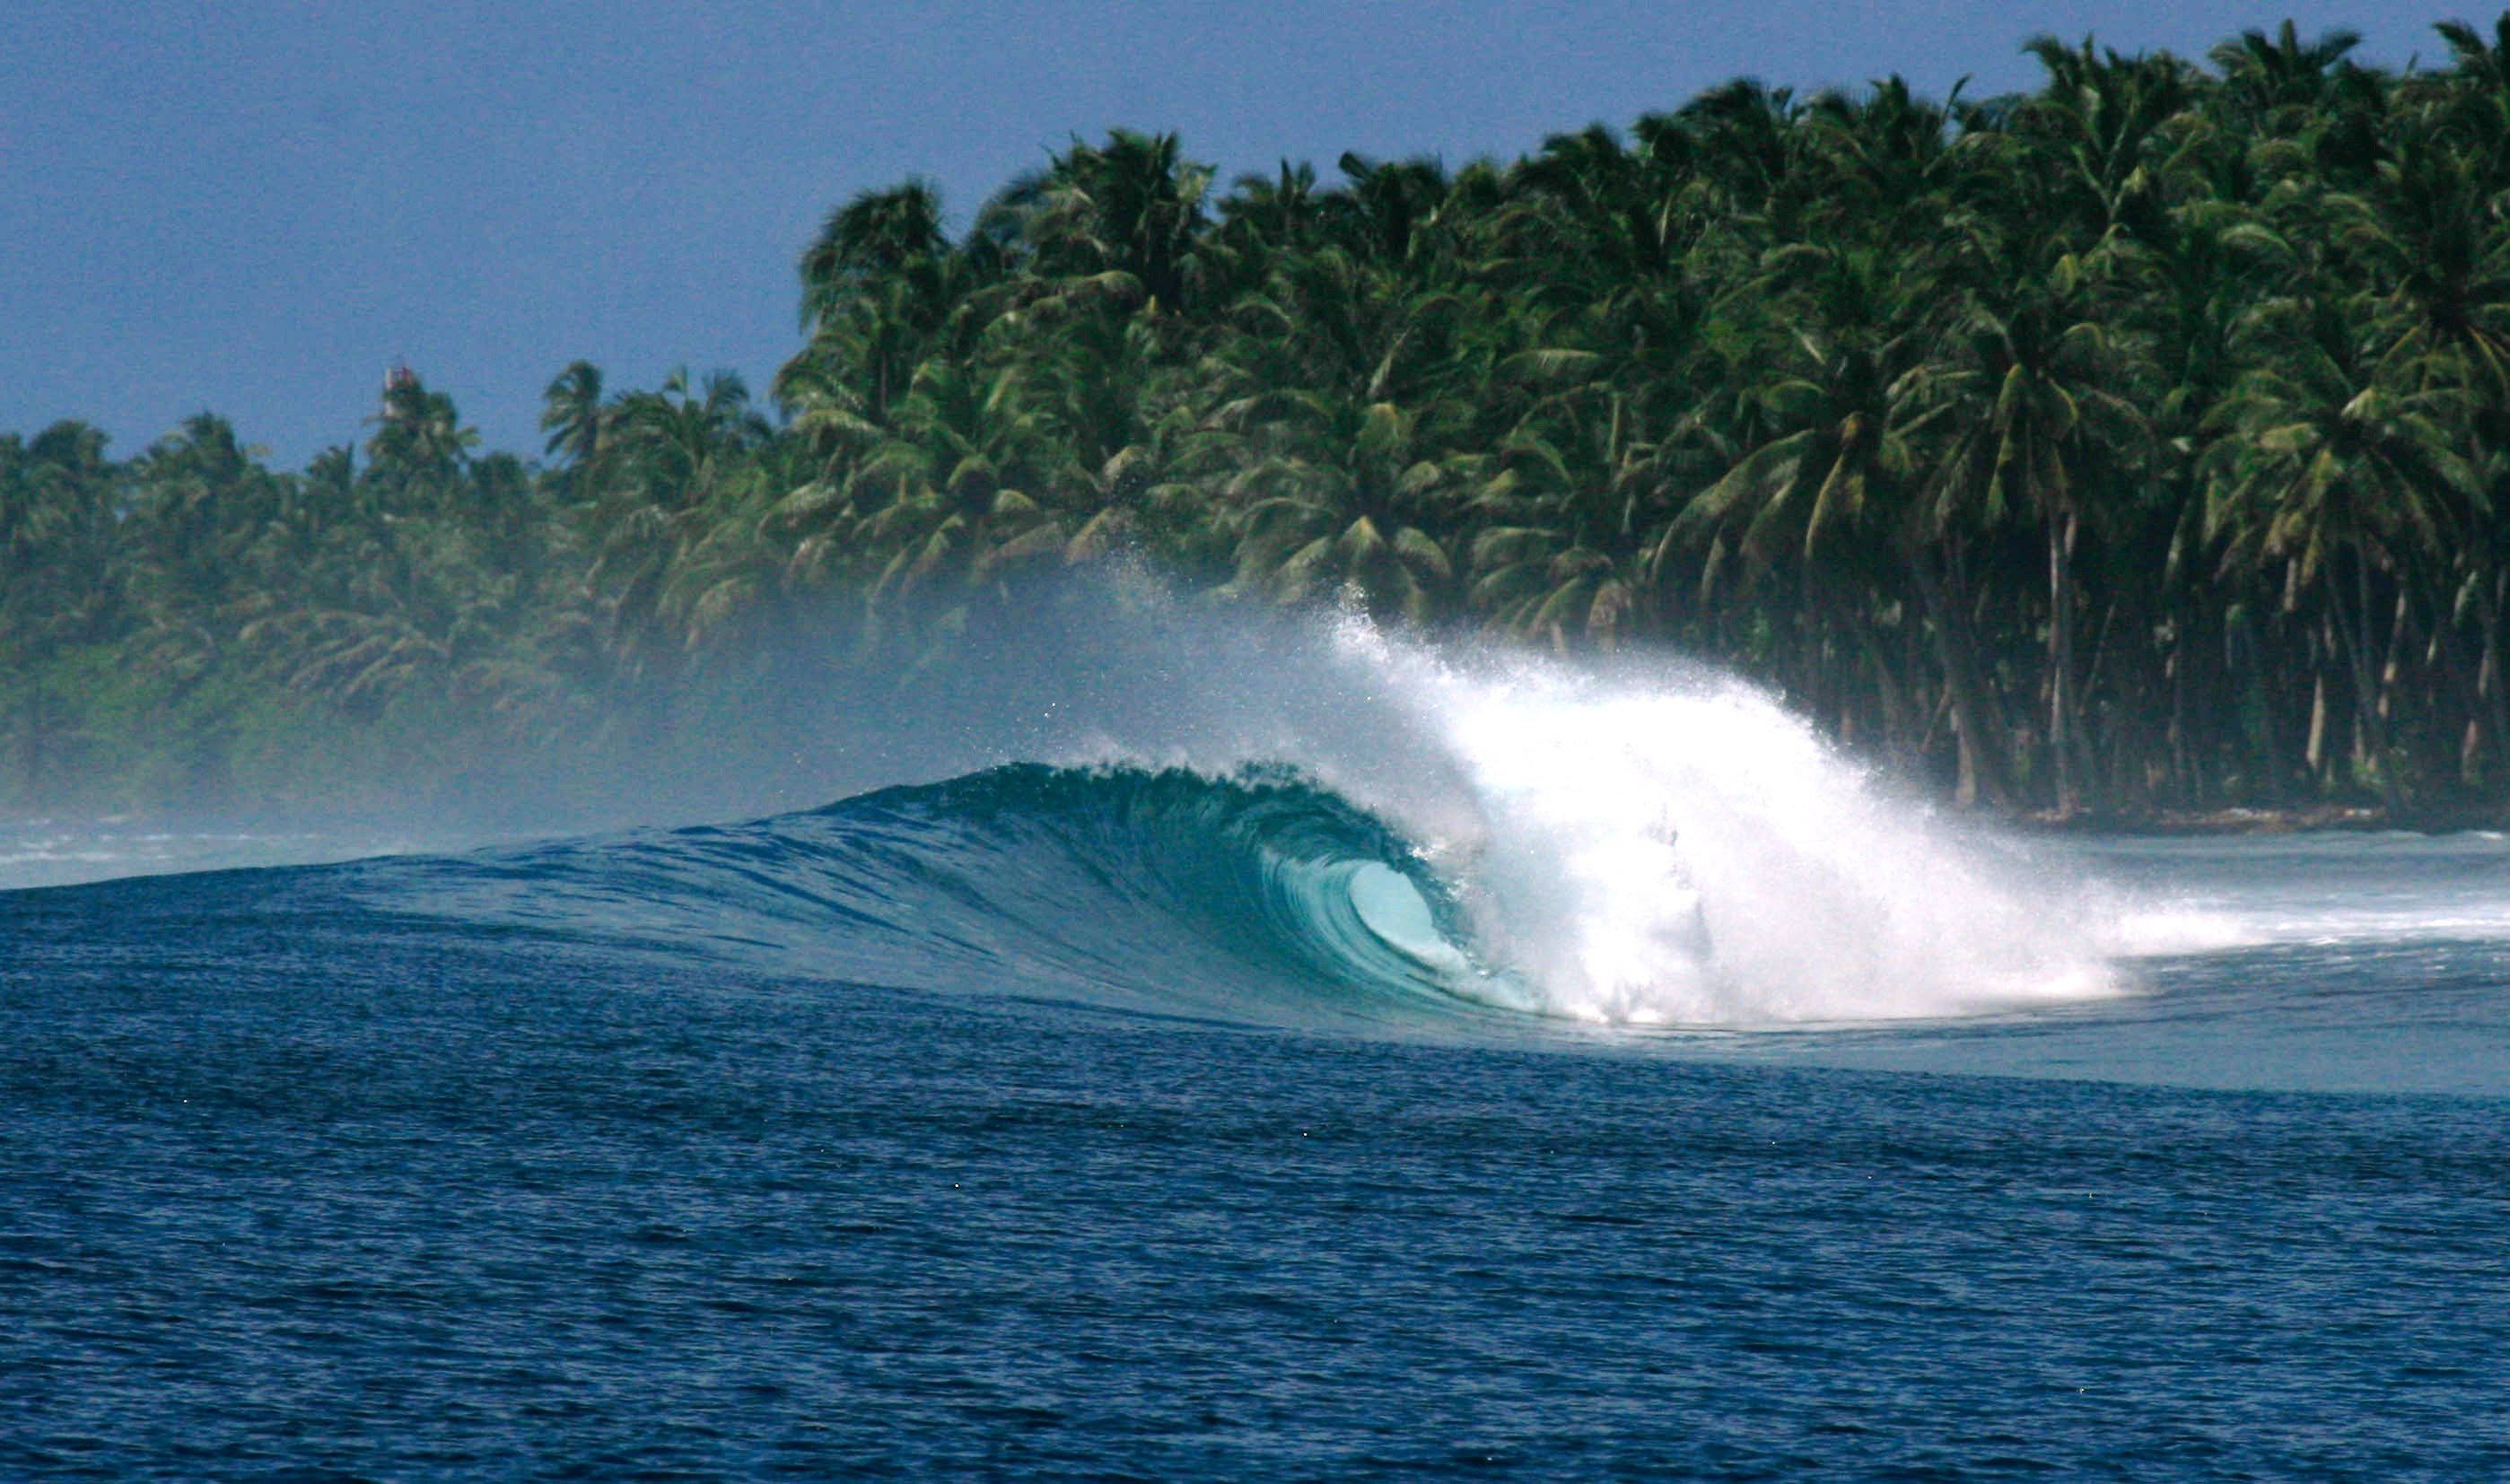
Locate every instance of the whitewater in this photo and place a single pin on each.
(1685, 851)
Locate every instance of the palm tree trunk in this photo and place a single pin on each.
(2060, 662)
(2393, 667)
(1980, 775)
(2187, 779)
(2314, 749)
(2465, 687)
(2252, 635)
(2353, 633)
(1890, 708)
(2487, 673)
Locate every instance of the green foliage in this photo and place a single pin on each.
(2131, 444)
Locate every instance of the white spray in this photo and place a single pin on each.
(1687, 853)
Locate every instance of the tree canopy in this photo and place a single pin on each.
(2133, 444)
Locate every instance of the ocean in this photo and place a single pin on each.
(1505, 1068)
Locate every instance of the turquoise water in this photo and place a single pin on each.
(1154, 1123)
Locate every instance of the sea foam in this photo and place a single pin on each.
(1680, 849)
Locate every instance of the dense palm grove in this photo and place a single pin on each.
(2137, 443)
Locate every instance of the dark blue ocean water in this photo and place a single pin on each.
(1059, 1125)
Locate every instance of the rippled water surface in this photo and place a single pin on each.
(1065, 1123)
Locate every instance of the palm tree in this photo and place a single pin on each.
(962, 481)
(2030, 392)
(1333, 508)
(1563, 520)
(1383, 211)
(419, 442)
(2425, 225)
(877, 234)
(572, 414)
(2274, 84)
(2346, 479)
(879, 282)
(57, 589)
(1132, 207)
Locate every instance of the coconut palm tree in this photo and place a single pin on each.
(1132, 207)
(2348, 481)
(572, 414)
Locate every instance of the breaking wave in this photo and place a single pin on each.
(1464, 838)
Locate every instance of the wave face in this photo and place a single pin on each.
(1388, 833)
(1258, 897)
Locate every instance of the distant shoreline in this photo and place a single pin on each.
(2242, 821)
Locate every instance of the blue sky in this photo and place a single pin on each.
(257, 208)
